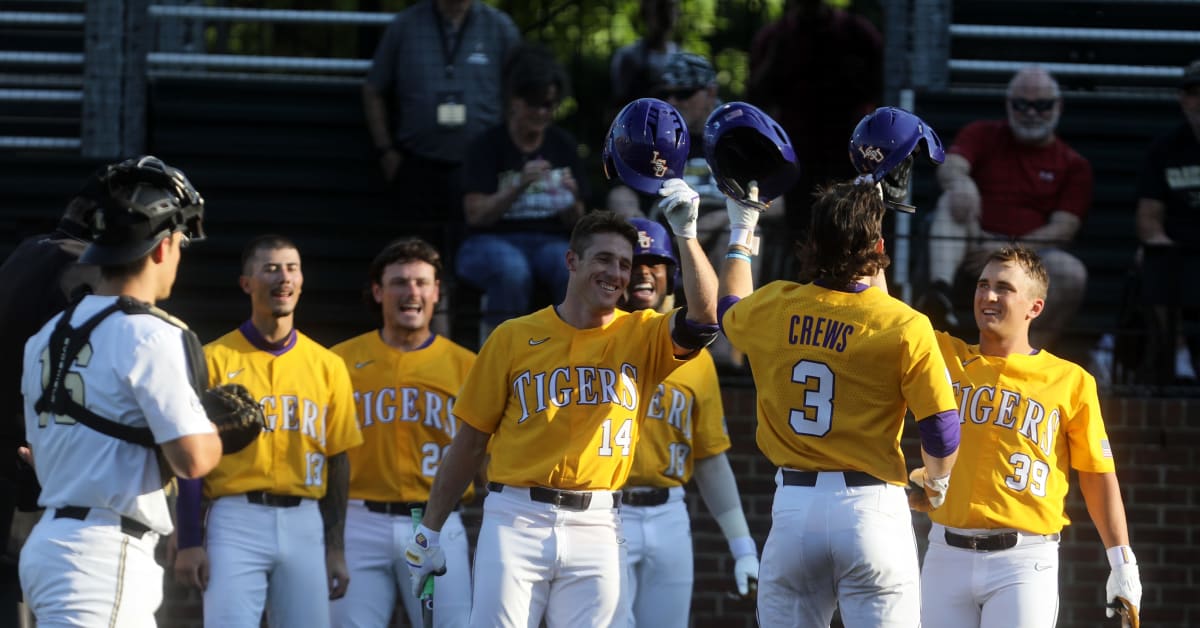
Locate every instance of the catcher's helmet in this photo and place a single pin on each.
(647, 144)
(654, 247)
(882, 148)
(139, 202)
(743, 144)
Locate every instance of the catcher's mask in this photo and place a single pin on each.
(743, 144)
(647, 144)
(139, 202)
(654, 247)
(882, 149)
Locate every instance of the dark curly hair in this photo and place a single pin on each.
(846, 225)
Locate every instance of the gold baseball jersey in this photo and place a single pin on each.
(308, 402)
(405, 411)
(1026, 421)
(684, 422)
(563, 404)
(835, 371)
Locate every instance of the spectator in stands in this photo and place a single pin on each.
(818, 71)
(524, 186)
(1007, 181)
(440, 63)
(635, 68)
(1168, 226)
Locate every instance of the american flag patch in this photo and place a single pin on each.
(1105, 448)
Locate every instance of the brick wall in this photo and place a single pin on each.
(1157, 445)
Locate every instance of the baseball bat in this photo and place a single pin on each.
(427, 592)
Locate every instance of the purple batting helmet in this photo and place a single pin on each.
(743, 144)
(882, 149)
(654, 246)
(647, 144)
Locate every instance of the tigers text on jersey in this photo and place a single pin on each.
(1026, 421)
(308, 402)
(834, 371)
(563, 404)
(133, 371)
(685, 422)
(405, 411)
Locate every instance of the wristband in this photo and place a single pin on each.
(1120, 555)
(432, 537)
(740, 236)
(743, 546)
(738, 255)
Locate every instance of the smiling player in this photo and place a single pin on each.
(406, 379)
(276, 524)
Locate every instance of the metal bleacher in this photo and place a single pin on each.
(1117, 64)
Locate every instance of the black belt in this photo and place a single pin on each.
(641, 497)
(271, 499)
(989, 542)
(571, 500)
(132, 527)
(792, 477)
(393, 508)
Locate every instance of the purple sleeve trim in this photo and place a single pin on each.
(723, 305)
(939, 433)
(187, 514)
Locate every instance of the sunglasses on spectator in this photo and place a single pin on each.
(1024, 106)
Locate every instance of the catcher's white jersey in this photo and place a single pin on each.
(132, 371)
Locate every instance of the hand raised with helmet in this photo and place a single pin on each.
(681, 205)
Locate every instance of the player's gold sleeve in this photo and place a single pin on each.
(712, 433)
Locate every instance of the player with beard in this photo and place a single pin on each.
(275, 527)
(683, 433)
(406, 379)
(1007, 181)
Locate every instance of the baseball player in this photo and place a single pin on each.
(836, 363)
(684, 430)
(559, 393)
(265, 542)
(1029, 417)
(120, 367)
(406, 379)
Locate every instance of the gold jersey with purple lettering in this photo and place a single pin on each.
(405, 411)
(685, 422)
(835, 372)
(563, 404)
(308, 403)
(1027, 420)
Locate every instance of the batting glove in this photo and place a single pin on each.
(745, 574)
(933, 490)
(425, 558)
(681, 205)
(742, 220)
(1124, 587)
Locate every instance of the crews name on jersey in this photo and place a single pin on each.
(310, 419)
(678, 414)
(819, 331)
(978, 404)
(581, 385)
(382, 405)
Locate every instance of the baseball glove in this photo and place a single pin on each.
(238, 417)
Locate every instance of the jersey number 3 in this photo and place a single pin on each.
(816, 417)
